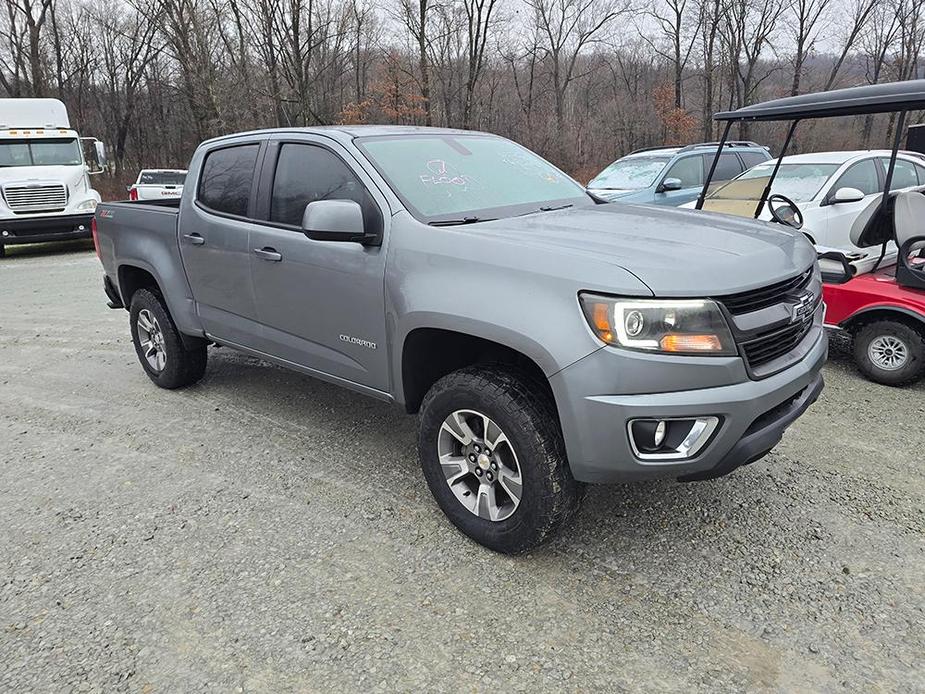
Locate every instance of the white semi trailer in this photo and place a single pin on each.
(45, 191)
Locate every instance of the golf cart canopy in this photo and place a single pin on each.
(853, 101)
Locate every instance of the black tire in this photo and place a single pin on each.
(185, 363)
(914, 341)
(2, 251)
(527, 416)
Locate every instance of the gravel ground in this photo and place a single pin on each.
(263, 531)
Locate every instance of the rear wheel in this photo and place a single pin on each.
(890, 352)
(163, 355)
(492, 453)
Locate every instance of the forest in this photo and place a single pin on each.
(579, 81)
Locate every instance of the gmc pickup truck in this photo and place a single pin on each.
(547, 339)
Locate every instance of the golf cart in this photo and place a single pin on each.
(878, 296)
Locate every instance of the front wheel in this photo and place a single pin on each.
(890, 352)
(165, 358)
(492, 454)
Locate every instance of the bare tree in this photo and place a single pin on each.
(567, 29)
(416, 17)
(808, 20)
(481, 21)
(679, 30)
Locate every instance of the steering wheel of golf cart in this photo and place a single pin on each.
(785, 211)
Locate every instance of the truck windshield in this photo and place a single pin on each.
(468, 178)
(631, 173)
(162, 178)
(51, 152)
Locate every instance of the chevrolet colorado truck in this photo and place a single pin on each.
(546, 339)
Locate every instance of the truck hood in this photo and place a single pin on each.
(673, 252)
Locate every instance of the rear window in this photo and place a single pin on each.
(227, 179)
(162, 178)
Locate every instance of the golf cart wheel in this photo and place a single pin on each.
(161, 350)
(492, 453)
(890, 352)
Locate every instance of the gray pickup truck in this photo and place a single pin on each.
(547, 339)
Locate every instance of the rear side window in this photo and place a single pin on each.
(727, 168)
(306, 173)
(903, 175)
(227, 179)
(751, 159)
(862, 176)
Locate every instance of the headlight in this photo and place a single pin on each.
(87, 206)
(688, 326)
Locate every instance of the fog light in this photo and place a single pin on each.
(670, 439)
(660, 430)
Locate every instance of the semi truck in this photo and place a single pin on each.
(45, 190)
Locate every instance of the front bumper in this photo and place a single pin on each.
(753, 417)
(42, 229)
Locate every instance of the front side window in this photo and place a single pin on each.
(52, 152)
(630, 173)
(862, 176)
(454, 178)
(306, 173)
(688, 170)
(227, 179)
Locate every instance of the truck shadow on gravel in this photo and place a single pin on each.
(58, 248)
(662, 521)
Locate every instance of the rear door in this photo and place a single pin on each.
(215, 226)
(321, 303)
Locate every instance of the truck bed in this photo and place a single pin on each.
(142, 236)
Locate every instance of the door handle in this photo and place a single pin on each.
(194, 239)
(268, 254)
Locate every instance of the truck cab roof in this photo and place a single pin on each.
(350, 132)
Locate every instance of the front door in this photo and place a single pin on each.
(321, 303)
(840, 216)
(215, 246)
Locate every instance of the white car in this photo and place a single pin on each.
(831, 189)
(157, 184)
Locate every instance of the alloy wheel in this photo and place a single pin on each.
(480, 465)
(151, 340)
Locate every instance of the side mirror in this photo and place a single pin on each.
(847, 195)
(100, 154)
(670, 184)
(334, 220)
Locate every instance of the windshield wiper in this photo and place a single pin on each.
(551, 208)
(457, 222)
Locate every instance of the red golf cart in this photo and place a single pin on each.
(877, 296)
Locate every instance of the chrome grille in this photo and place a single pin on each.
(768, 347)
(757, 299)
(50, 197)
